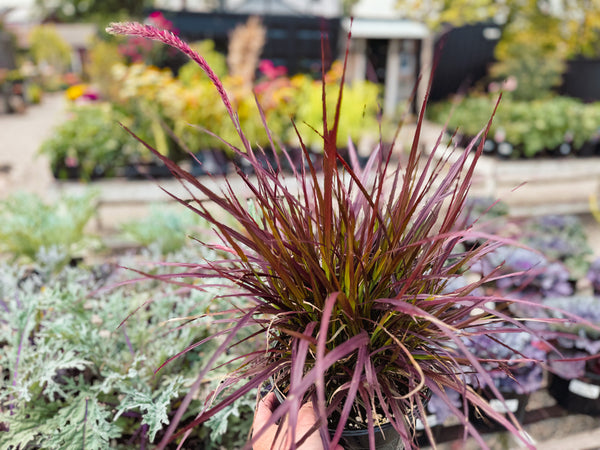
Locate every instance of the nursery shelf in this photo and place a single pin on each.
(532, 186)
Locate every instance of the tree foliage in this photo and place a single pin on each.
(72, 10)
(572, 23)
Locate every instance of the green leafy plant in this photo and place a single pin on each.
(532, 127)
(51, 53)
(75, 376)
(103, 55)
(90, 143)
(345, 275)
(28, 225)
(531, 50)
(164, 227)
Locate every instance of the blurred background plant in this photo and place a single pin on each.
(561, 238)
(166, 228)
(52, 55)
(91, 144)
(136, 50)
(103, 55)
(28, 225)
(533, 128)
(96, 10)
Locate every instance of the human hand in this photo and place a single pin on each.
(306, 420)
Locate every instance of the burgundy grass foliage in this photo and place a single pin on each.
(343, 275)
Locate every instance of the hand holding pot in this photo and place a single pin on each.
(306, 420)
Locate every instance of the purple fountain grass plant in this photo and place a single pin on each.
(346, 277)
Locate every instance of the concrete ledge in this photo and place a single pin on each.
(529, 187)
(122, 200)
(536, 187)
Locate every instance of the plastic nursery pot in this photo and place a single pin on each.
(144, 171)
(209, 162)
(513, 402)
(577, 395)
(386, 436)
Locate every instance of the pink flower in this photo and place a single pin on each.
(71, 161)
(510, 84)
(270, 70)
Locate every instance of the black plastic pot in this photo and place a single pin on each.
(489, 147)
(266, 161)
(144, 171)
(505, 150)
(513, 402)
(386, 438)
(579, 395)
(563, 150)
(587, 149)
(210, 162)
(61, 171)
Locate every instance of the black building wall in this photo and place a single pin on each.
(292, 41)
(465, 54)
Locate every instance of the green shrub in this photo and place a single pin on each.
(49, 50)
(166, 228)
(531, 126)
(91, 142)
(28, 225)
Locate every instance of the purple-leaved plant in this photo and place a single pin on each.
(593, 275)
(525, 273)
(577, 340)
(345, 277)
(560, 238)
(517, 347)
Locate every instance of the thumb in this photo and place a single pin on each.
(264, 438)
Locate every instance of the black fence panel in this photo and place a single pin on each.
(582, 79)
(465, 54)
(7, 52)
(292, 41)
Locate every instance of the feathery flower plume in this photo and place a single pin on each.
(168, 38)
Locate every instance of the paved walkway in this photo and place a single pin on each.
(21, 168)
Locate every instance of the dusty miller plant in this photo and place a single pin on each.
(75, 376)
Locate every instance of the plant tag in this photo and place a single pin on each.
(586, 390)
(431, 421)
(510, 404)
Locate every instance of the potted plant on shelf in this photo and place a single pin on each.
(575, 370)
(593, 276)
(345, 273)
(89, 145)
(519, 381)
(522, 273)
(560, 238)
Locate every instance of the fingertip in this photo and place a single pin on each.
(269, 401)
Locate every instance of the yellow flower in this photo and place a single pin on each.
(75, 91)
